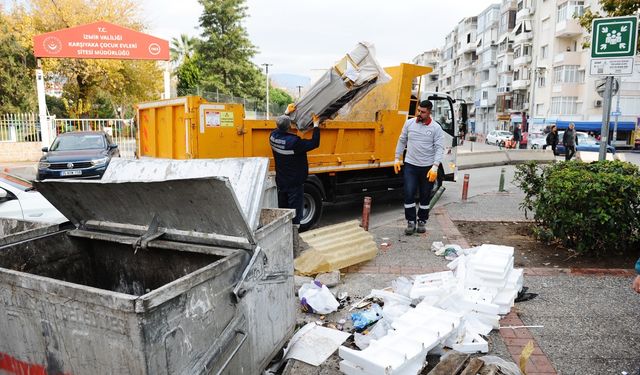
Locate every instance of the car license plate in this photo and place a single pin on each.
(70, 173)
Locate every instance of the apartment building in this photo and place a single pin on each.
(527, 59)
(504, 95)
(430, 82)
(563, 89)
(486, 69)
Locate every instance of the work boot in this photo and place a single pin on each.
(411, 227)
(422, 226)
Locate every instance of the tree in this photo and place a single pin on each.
(612, 8)
(189, 75)
(279, 96)
(123, 82)
(226, 50)
(17, 78)
(182, 48)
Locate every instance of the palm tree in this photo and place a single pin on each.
(182, 48)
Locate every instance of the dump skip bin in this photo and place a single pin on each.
(156, 277)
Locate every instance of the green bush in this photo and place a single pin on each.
(590, 207)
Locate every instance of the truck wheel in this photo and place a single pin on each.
(312, 207)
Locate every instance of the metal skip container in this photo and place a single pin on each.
(156, 277)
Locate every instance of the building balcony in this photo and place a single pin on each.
(519, 107)
(489, 83)
(521, 84)
(523, 13)
(484, 103)
(568, 58)
(568, 28)
(469, 82)
(522, 60)
(523, 37)
(466, 48)
(503, 90)
(467, 65)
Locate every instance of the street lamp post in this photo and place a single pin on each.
(266, 68)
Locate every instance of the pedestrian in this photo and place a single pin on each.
(292, 167)
(570, 141)
(552, 139)
(423, 138)
(517, 135)
(636, 281)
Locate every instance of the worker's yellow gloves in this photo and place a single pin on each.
(290, 108)
(432, 175)
(316, 120)
(396, 166)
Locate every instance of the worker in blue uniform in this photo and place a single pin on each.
(292, 167)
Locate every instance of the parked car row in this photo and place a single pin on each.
(585, 142)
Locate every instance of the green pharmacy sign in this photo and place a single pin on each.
(614, 37)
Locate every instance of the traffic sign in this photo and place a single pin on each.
(614, 37)
(613, 46)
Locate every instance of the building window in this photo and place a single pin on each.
(485, 95)
(544, 51)
(568, 74)
(539, 108)
(542, 81)
(569, 10)
(564, 105)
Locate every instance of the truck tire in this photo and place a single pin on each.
(312, 207)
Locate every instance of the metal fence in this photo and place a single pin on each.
(122, 131)
(20, 127)
(253, 109)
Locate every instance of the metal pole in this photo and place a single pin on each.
(606, 112)
(465, 187)
(266, 68)
(501, 184)
(299, 91)
(45, 130)
(366, 210)
(615, 124)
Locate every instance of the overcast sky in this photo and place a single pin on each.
(300, 36)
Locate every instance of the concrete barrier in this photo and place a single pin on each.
(469, 160)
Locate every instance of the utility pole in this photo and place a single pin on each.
(606, 112)
(299, 91)
(615, 124)
(266, 68)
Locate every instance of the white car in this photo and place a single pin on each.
(537, 141)
(19, 200)
(496, 137)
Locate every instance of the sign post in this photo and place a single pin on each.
(613, 49)
(98, 40)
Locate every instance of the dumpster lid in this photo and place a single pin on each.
(246, 175)
(193, 206)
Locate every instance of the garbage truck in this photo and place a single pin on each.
(356, 152)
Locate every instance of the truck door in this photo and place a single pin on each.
(443, 113)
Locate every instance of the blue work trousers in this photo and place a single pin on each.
(415, 178)
(292, 197)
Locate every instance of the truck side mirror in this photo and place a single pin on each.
(463, 113)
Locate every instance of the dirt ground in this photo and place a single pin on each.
(530, 252)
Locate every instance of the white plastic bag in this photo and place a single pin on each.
(402, 286)
(318, 297)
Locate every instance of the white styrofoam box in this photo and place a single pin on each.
(472, 344)
(496, 249)
(505, 299)
(473, 324)
(388, 296)
(516, 277)
(436, 283)
(375, 359)
(489, 319)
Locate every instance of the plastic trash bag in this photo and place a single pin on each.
(506, 367)
(402, 286)
(317, 298)
(363, 319)
(378, 331)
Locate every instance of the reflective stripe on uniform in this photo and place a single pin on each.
(409, 205)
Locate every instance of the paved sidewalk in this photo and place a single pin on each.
(590, 319)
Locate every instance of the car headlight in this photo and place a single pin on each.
(44, 164)
(99, 161)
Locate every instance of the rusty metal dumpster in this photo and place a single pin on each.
(156, 277)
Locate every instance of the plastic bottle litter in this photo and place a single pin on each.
(363, 319)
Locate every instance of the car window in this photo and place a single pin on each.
(505, 133)
(78, 142)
